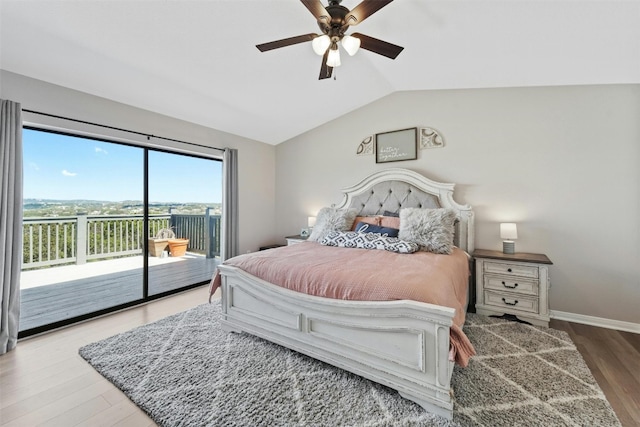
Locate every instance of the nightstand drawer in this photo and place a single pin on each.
(511, 285)
(512, 269)
(511, 301)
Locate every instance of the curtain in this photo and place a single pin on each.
(229, 204)
(10, 221)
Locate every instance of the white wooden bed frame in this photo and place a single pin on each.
(401, 344)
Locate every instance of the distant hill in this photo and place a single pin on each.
(56, 208)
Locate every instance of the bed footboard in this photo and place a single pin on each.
(401, 344)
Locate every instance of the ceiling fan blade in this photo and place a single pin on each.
(325, 70)
(286, 42)
(318, 10)
(378, 46)
(364, 10)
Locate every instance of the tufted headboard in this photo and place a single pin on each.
(395, 188)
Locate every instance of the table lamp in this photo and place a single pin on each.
(508, 233)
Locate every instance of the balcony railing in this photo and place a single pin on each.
(77, 239)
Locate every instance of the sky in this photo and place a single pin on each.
(64, 167)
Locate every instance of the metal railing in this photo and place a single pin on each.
(78, 239)
(203, 231)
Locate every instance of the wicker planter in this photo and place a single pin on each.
(178, 247)
(157, 246)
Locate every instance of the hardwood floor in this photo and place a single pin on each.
(614, 360)
(45, 382)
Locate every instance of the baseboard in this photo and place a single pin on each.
(596, 321)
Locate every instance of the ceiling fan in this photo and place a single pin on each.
(334, 20)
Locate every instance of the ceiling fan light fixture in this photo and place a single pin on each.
(350, 44)
(333, 59)
(320, 44)
(334, 21)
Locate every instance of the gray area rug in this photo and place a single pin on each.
(185, 371)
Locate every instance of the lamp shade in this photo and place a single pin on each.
(320, 44)
(311, 221)
(508, 231)
(333, 60)
(350, 44)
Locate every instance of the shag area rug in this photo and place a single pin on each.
(185, 371)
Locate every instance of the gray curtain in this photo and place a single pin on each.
(229, 204)
(10, 221)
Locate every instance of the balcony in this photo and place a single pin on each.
(82, 264)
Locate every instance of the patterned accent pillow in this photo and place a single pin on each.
(353, 239)
(432, 229)
(332, 219)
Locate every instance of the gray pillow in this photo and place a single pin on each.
(332, 219)
(432, 229)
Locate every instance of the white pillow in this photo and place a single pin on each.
(432, 229)
(332, 219)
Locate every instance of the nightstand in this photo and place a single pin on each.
(514, 284)
(292, 240)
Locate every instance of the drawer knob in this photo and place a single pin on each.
(509, 270)
(509, 303)
(515, 285)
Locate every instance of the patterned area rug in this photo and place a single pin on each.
(184, 371)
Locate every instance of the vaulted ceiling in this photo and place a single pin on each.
(197, 60)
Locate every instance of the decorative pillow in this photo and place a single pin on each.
(353, 239)
(362, 227)
(390, 222)
(374, 220)
(389, 213)
(331, 219)
(432, 229)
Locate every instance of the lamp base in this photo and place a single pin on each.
(508, 247)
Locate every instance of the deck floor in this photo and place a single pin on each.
(60, 293)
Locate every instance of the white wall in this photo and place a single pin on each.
(256, 160)
(562, 162)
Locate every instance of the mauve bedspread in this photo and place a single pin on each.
(367, 275)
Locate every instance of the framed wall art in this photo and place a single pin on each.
(397, 145)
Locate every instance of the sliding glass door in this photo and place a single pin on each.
(185, 204)
(96, 215)
(83, 223)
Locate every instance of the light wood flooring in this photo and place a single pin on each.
(614, 360)
(45, 382)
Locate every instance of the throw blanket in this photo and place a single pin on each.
(367, 275)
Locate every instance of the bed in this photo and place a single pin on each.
(403, 344)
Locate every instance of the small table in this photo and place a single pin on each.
(292, 240)
(513, 284)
